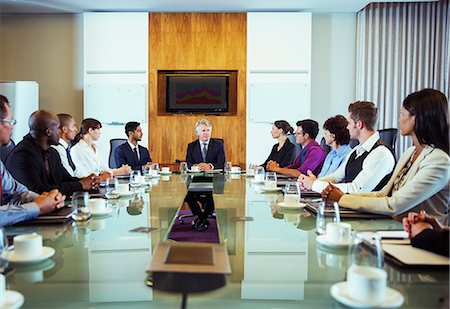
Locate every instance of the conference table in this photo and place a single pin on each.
(274, 257)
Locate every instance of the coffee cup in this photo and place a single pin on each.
(165, 170)
(28, 245)
(97, 224)
(366, 284)
(259, 177)
(270, 184)
(195, 168)
(235, 169)
(123, 188)
(97, 204)
(290, 199)
(338, 232)
(250, 172)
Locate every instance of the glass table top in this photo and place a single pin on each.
(275, 260)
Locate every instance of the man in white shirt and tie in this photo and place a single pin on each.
(368, 166)
(205, 152)
(67, 132)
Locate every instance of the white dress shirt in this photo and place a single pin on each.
(87, 160)
(61, 148)
(378, 163)
(132, 148)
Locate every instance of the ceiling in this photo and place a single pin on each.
(79, 6)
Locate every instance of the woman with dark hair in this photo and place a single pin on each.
(85, 156)
(337, 137)
(284, 151)
(420, 180)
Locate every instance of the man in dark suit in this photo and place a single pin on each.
(207, 153)
(130, 153)
(38, 166)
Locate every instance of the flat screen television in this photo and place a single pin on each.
(197, 93)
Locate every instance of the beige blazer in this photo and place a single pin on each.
(426, 187)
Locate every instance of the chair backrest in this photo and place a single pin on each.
(324, 145)
(5, 150)
(298, 148)
(353, 143)
(389, 137)
(114, 143)
(218, 139)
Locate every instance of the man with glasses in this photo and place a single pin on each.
(311, 157)
(17, 203)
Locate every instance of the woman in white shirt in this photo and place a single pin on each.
(420, 180)
(85, 156)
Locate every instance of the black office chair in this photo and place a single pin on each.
(114, 143)
(298, 148)
(353, 143)
(5, 150)
(389, 137)
(324, 145)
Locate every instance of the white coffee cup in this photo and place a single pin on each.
(195, 168)
(97, 204)
(338, 232)
(290, 199)
(2, 289)
(235, 169)
(123, 188)
(250, 172)
(28, 245)
(259, 177)
(270, 184)
(165, 170)
(366, 284)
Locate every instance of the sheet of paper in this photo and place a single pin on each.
(393, 234)
(413, 256)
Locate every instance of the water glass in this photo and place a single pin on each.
(228, 167)
(271, 180)
(80, 206)
(135, 179)
(3, 248)
(366, 250)
(154, 169)
(259, 174)
(325, 216)
(183, 167)
(292, 193)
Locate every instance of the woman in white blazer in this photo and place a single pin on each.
(420, 180)
(85, 156)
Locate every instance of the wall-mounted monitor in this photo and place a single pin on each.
(197, 92)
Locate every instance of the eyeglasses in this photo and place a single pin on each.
(300, 133)
(10, 121)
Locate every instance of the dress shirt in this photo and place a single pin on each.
(17, 201)
(61, 148)
(310, 158)
(426, 187)
(135, 149)
(87, 160)
(379, 163)
(334, 159)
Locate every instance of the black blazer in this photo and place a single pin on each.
(215, 154)
(124, 154)
(26, 164)
(284, 157)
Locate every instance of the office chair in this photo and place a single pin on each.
(114, 143)
(353, 143)
(324, 145)
(389, 137)
(5, 150)
(298, 148)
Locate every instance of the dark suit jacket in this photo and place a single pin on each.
(215, 154)
(284, 157)
(26, 164)
(125, 155)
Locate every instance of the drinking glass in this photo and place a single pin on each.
(154, 169)
(250, 169)
(80, 206)
(183, 167)
(3, 248)
(366, 250)
(259, 174)
(271, 180)
(292, 193)
(326, 215)
(228, 166)
(135, 179)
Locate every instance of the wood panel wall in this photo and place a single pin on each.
(196, 41)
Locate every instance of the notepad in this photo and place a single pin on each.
(408, 255)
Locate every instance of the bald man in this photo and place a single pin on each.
(38, 166)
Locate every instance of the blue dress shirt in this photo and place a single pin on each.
(334, 159)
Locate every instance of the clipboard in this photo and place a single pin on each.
(61, 215)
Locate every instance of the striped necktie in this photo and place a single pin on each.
(204, 152)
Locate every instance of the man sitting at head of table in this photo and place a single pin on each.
(17, 203)
(368, 166)
(207, 153)
(312, 155)
(130, 153)
(67, 132)
(38, 166)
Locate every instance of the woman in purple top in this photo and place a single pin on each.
(310, 158)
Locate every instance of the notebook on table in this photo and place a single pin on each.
(409, 256)
(344, 212)
(58, 216)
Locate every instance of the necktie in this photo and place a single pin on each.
(204, 152)
(136, 153)
(46, 163)
(69, 158)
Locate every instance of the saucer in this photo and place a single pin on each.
(264, 188)
(257, 181)
(46, 253)
(393, 299)
(105, 211)
(129, 193)
(297, 205)
(166, 173)
(322, 240)
(236, 172)
(13, 300)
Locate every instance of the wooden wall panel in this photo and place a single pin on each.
(196, 41)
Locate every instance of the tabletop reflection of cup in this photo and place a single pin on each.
(123, 188)
(28, 245)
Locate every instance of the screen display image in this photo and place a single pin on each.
(197, 93)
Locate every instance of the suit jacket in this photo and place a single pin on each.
(215, 154)
(125, 155)
(426, 186)
(26, 164)
(284, 157)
